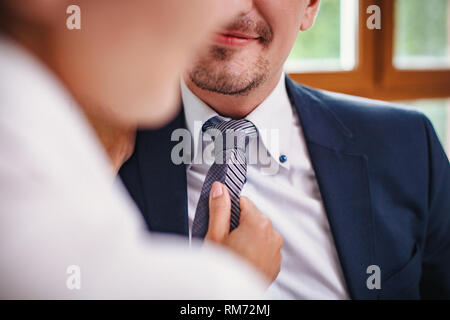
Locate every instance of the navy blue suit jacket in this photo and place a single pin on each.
(384, 180)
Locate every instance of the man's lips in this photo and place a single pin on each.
(234, 39)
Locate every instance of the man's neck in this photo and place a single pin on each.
(117, 140)
(235, 106)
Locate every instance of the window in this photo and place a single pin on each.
(407, 59)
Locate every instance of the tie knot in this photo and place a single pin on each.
(231, 134)
(242, 127)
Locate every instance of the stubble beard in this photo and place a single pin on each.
(213, 73)
(219, 71)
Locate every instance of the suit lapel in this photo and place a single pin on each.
(344, 184)
(163, 183)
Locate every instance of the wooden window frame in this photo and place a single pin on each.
(375, 75)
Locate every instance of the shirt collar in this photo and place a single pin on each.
(273, 115)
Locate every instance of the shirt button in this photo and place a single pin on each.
(283, 158)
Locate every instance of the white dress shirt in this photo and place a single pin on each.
(286, 192)
(66, 229)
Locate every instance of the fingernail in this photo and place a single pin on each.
(216, 190)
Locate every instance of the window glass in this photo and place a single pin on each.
(421, 35)
(330, 45)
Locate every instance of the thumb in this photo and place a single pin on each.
(219, 213)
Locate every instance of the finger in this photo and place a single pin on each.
(278, 240)
(219, 213)
(249, 211)
(246, 204)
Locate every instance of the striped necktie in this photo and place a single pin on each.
(230, 168)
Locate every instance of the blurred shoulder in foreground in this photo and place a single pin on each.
(60, 207)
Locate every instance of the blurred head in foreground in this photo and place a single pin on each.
(124, 63)
(60, 207)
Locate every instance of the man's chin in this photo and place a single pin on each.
(230, 84)
(233, 74)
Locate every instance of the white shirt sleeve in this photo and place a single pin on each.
(66, 240)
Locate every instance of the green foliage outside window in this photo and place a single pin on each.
(421, 28)
(323, 39)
